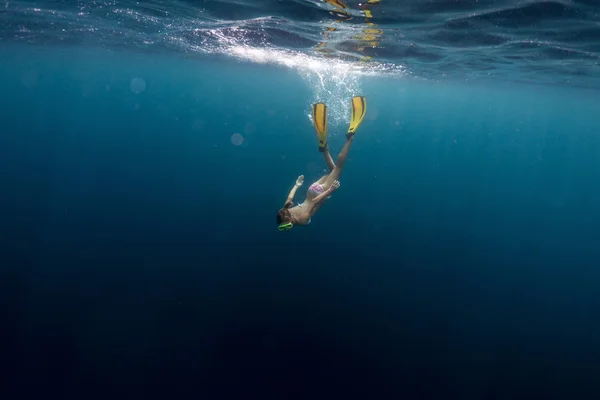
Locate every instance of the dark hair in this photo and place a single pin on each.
(284, 215)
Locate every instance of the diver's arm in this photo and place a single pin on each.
(290, 198)
(323, 196)
(316, 202)
(299, 182)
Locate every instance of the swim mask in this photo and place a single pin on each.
(285, 227)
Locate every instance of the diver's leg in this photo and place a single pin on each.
(341, 160)
(330, 165)
(328, 159)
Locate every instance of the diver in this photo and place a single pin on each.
(320, 191)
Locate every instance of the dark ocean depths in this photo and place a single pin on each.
(145, 148)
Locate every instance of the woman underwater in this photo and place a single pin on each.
(321, 190)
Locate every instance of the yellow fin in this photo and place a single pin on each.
(359, 108)
(337, 3)
(319, 116)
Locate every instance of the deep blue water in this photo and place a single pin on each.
(139, 255)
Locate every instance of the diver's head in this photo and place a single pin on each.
(285, 221)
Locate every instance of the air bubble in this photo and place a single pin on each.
(237, 139)
(137, 85)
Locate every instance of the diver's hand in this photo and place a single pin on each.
(300, 180)
(334, 186)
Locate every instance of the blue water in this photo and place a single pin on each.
(139, 254)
